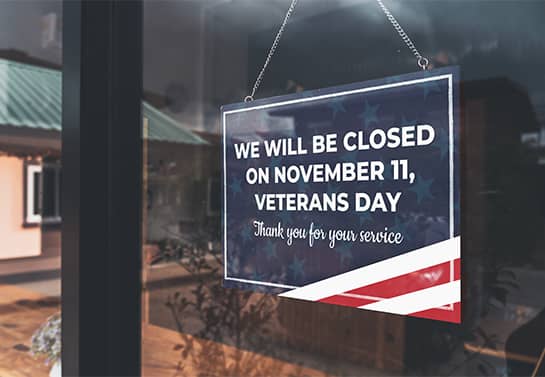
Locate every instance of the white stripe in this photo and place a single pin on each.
(374, 298)
(428, 256)
(418, 301)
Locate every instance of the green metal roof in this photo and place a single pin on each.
(161, 127)
(31, 97)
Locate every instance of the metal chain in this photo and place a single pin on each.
(422, 61)
(271, 51)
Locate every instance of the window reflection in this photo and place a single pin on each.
(202, 54)
(30, 151)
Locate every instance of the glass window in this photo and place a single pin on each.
(33, 189)
(199, 55)
(42, 193)
(50, 194)
(30, 151)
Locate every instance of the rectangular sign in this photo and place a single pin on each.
(348, 195)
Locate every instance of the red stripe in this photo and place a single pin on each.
(457, 270)
(413, 281)
(403, 284)
(454, 316)
(346, 301)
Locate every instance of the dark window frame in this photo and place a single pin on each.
(101, 187)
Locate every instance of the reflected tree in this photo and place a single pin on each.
(223, 332)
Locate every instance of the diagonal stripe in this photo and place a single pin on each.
(346, 300)
(418, 301)
(413, 281)
(412, 261)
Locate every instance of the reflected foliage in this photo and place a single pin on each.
(222, 331)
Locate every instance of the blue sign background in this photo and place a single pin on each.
(428, 211)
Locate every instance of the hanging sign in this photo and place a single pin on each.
(348, 195)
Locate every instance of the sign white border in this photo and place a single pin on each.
(331, 95)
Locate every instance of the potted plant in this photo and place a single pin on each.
(47, 341)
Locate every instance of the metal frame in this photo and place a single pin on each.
(101, 187)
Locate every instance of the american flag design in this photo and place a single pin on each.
(419, 277)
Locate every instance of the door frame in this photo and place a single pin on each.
(101, 187)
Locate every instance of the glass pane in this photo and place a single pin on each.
(200, 55)
(49, 192)
(30, 148)
(36, 198)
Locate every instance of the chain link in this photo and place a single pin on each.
(271, 51)
(421, 60)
